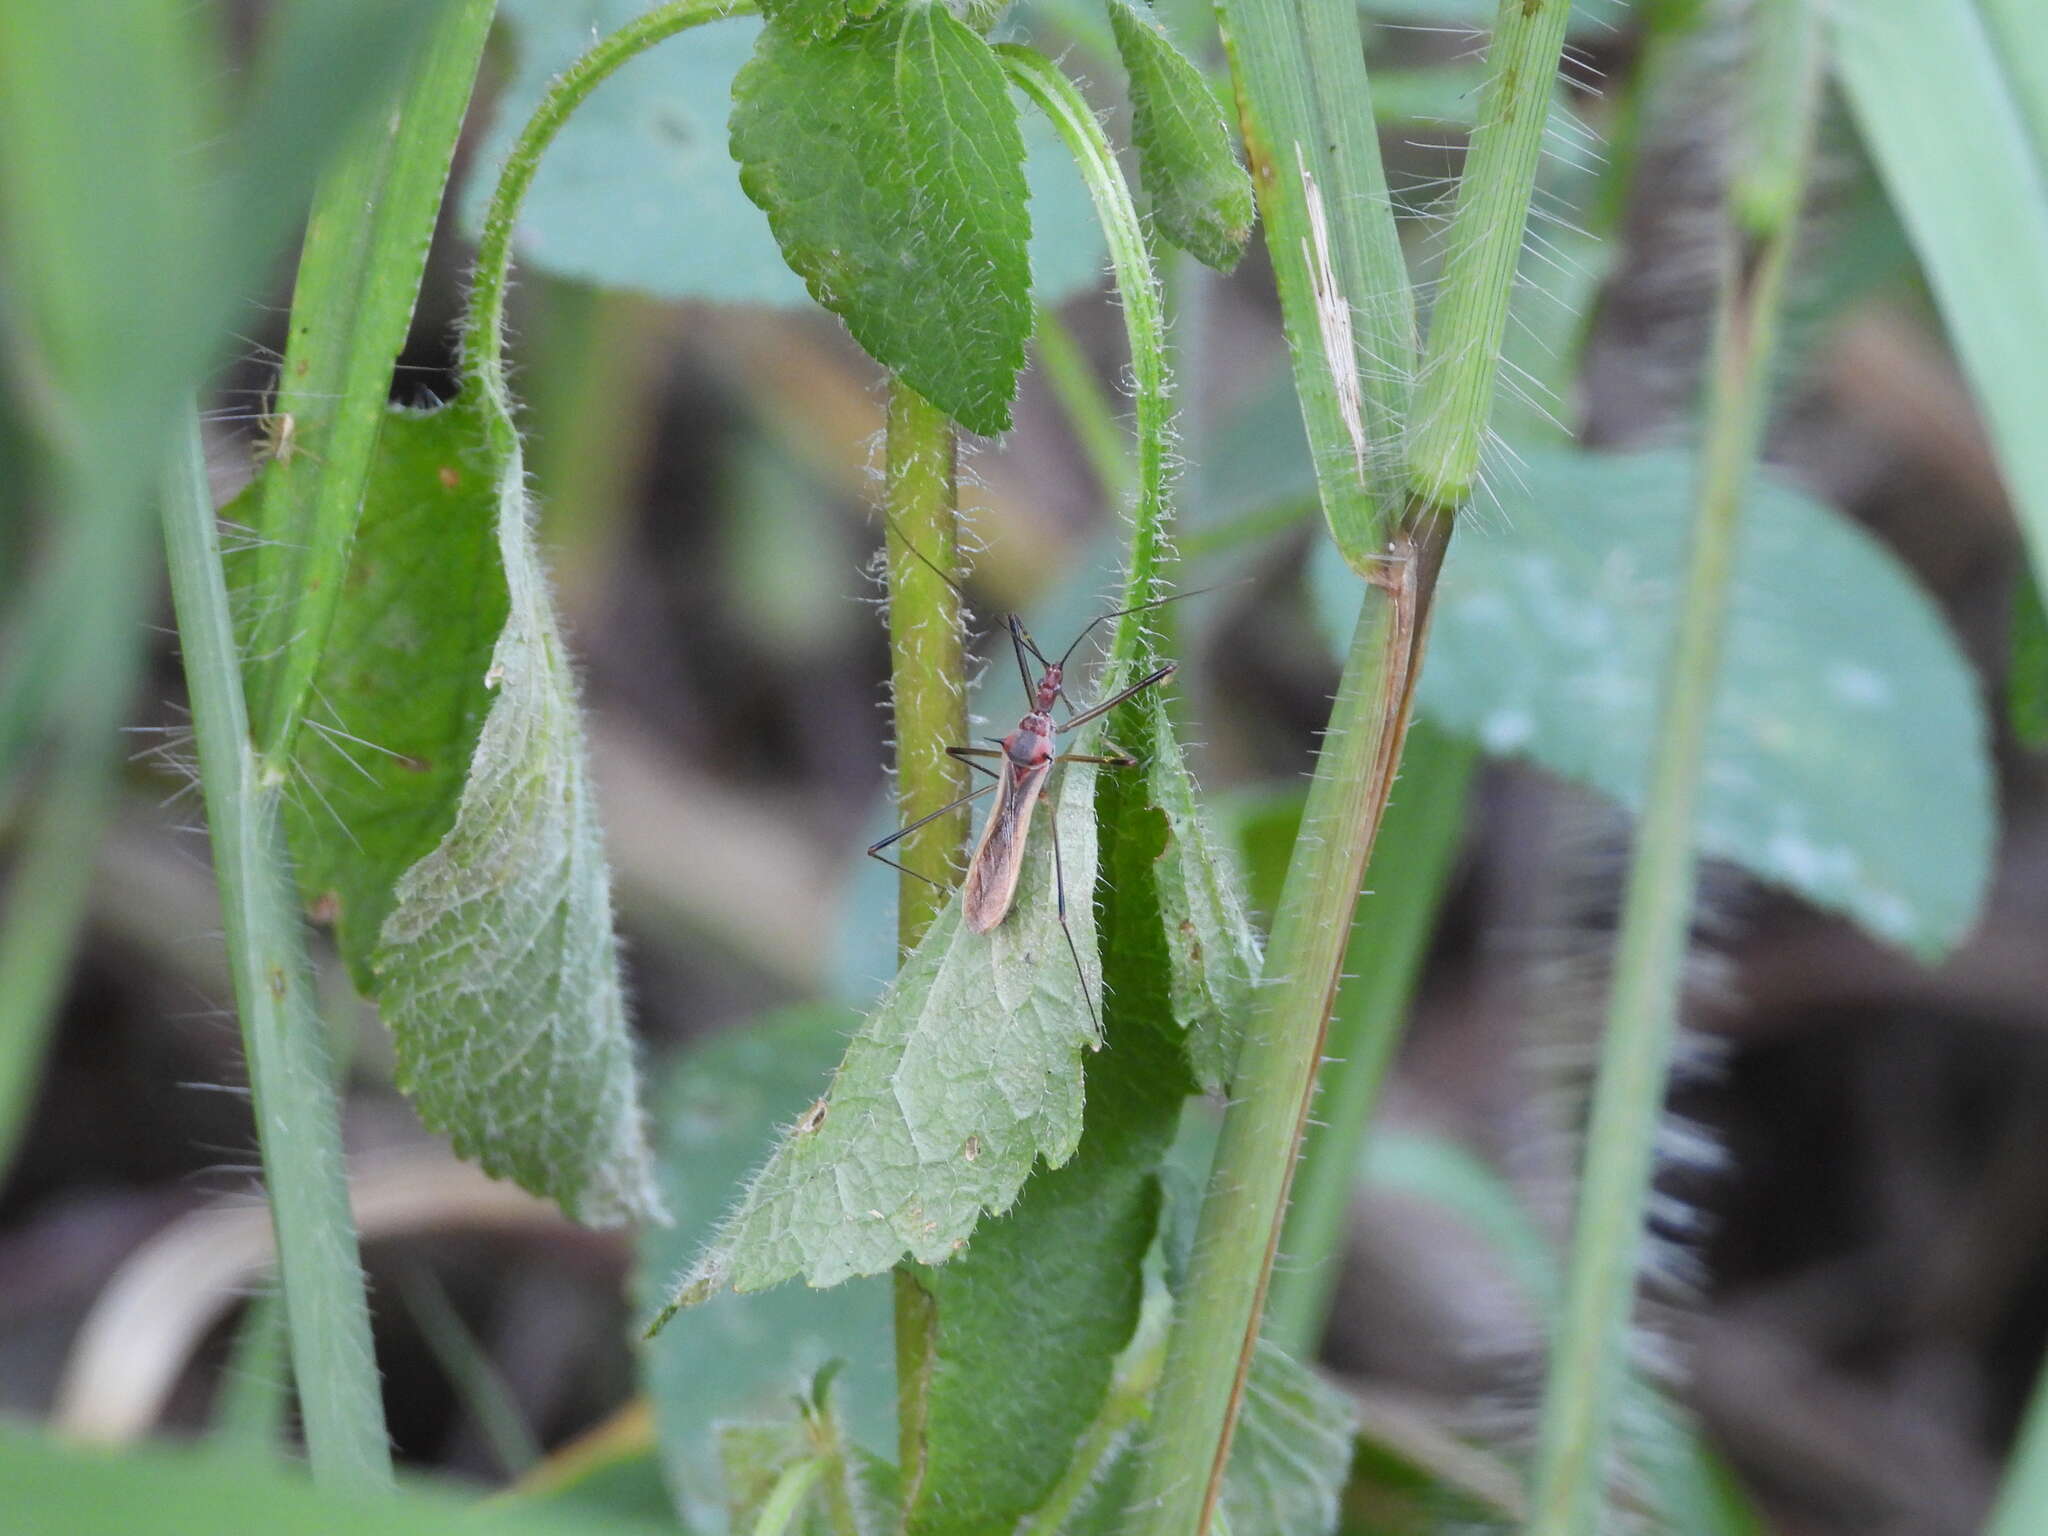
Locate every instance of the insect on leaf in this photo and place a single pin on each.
(890, 163)
(1201, 197)
(965, 1076)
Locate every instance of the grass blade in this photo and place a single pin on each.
(298, 1118)
(1943, 105)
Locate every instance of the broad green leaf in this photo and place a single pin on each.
(445, 818)
(745, 1357)
(1029, 1320)
(638, 189)
(1944, 106)
(65, 1490)
(401, 700)
(1201, 197)
(890, 164)
(966, 1075)
(1846, 760)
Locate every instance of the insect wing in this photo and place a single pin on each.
(999, 856)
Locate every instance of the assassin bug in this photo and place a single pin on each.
(1026, 758)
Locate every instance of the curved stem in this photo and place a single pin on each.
(1137, 285)
(483, 327)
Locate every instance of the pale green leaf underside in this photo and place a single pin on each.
(1292, 1452)
(1201, 197)
(497, 969)
(639, 190)
(1846, 759)
(967, 1074)
(441, 816)
(890, 164)
(1212, 949)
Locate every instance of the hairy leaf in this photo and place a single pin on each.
(742, 1357)
(1181, 948)
(1846, 759)
(890, 164)
(1292, 1452)
(444, 818)
(1201, 197)
(638, 189)
(966, 1075)
(816, 20)
(1030, 1318)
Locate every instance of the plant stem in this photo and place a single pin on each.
(483, 328)
(1345, 304)
(1214, 1330)
(1454, 394)
(1411, 864)
(298, 1117)
(1589, 1361)
(926, 668)
(1137, 286)
(359, 276)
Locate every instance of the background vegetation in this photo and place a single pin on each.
(1676, 364)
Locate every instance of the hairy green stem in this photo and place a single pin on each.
(1411, 865)
(1589, 1360)
(1209, 1346)
(483, 327)
(359, 275)
(1454, 393)
(1307, 117)
(298, 1114)
(927, 665)
(1137, 286)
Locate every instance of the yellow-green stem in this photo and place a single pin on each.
(926, 671)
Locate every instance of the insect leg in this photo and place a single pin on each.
(875, 849)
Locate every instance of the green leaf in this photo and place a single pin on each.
(446, 820)
(1944, 107)
(1180, 946)
(55, 1488)
(1029, 1320)
(744, 1357)
(890, 164)
(1846, 760)
(1201, 197)
(1293, 1449)
(639, 191)
(967, 1074)
(815, 20)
